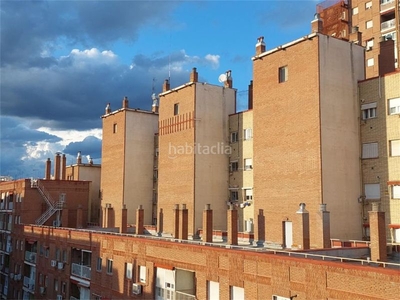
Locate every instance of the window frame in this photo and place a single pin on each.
(371, 186)
(176, 109)
(394, 106)
(234, 137)
(99, 264)
(109, 266)
(247, 134)
(247, 166)
(397, 152)
(234, 166)
(283, 74)
(368, 148)
(395, 194)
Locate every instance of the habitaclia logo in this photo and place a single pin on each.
(198, 148)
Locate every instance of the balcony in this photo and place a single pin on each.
(387, 5)
(30, 257)
(81, 271)
(29, 284)
(388, 25)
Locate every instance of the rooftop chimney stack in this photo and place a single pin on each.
(57, 167)
(386, 56)
(194, 76)
(125, 102)
(108, 109)
(228, 82)
(250, 96)
(154, 106)
(64, 167)
(316, 24)
(166, 86)
(48, 169)
(260, 46)
(79, 158)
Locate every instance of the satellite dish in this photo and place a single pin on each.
(222, 77)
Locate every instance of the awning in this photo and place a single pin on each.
(393, 182)
(394, 226)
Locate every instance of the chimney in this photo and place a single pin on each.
(57, 167)
(166, 86)
(377, 233)
(301, 237)
(207, 224)
(79, 158)
(176, 221)
(160, 220)
(64, 167)
(232, 226)
(64, 216)
(194, 76)
(154, 106)
(324, 224)
(48, 169)
(260, 46)
(125, 102)
(108, 109)
(124, 220)
(140, 220)
(386, 56)
(108, 219)
(316, 24)
(355, 35)
(259, 229)
(183, 222)
(250, 96)
(79, 216)
(228, 81)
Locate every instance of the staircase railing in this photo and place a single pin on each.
(53, 206)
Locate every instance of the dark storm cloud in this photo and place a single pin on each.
(89, 146)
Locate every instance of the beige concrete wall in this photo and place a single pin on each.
(139, 163)
(340, 137)
(213, 106)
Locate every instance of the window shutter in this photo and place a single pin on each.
(395, 148)
(370, 150)
(372, 191)
(396, 192)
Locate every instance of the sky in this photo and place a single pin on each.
(61, 62)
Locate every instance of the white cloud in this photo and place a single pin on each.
(69, 136)
(213, 60)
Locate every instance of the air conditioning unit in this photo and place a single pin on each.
(59, 297)
(11, 275)
(17, 277)
(42, 290)
(53, 263)
(60, 265)
(136, 289)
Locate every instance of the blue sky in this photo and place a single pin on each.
(62, 61)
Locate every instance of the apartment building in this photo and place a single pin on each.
(307, 149)
(380, 137)
(88, 172)
(127, 164)
(193, 162)
(241, 168)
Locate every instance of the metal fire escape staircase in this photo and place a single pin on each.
(53, 206)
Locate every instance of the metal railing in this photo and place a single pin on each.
(81, 271)
(53, 205)
(30, 256)
(184, 296)
(388, 24)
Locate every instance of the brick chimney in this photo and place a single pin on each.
(79, 217)
(176, 221)
(260, 46)
(183, 223)
(316, 24)
(194, 76)
(125, 102)
(48, 169)
(160, 221)
(124, 220)
(207, 224)
(301, 237)
(324, 223)
(377, 232)
(64, 167)
(166, 86)
(228, 82)
(232, 226)
(386, 56)
(57, 165)
(139, 220)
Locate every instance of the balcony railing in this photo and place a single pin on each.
(388, 24)
(184, 296)
(387, 4)
(29, 283)
(81, 271)
(73, 298)
(30, 256)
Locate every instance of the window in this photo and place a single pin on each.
(248, 163)
(248, 194)
(370, 150)
(142, 274)
(368, 5)
(129, 268)
(46, 281)
(109, 266)
(369, 24)
(372, 191)
(176, 109)
(283, 74)
(115, 128)
(368, 110)
(57, 254)
(99, 264)
(396, 192)
(40, 279)
(63, 287)
(248, 134)
(22, 245)
(234, 195)
(395, 148)
(56, 285)
(355, 11)
(234, 166)
(237, 293)
(65, 258)
(46, 254)
(394, 106)
(370, 62)
(370, 44)
(234, 137)
(16, 244)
